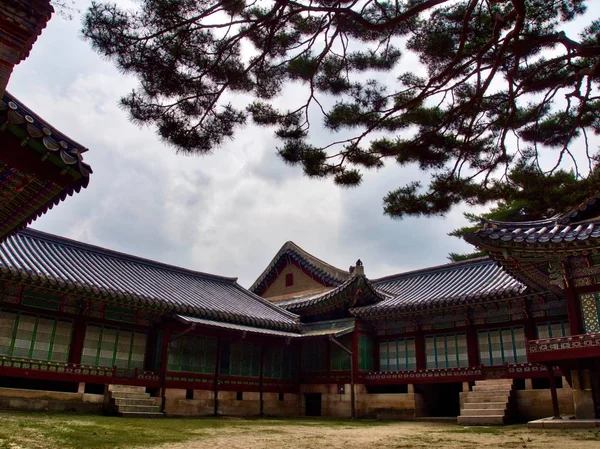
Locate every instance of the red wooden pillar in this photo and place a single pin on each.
(355, 351)
(529, 327)
(573, 304)
(573, 311)
(553, 394)
(77, 338)
(328, 357)
(162, 364)
(472, 345)
(420, 349)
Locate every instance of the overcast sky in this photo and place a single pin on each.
(228, 213)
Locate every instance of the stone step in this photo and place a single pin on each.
(500, 389)
(125, 395)
(133, 401)
(483, 412)
(139, 408)
(490, 420)
(488, 398)
(485, 405)
(141, 414)
(501, 382)
(126, 389)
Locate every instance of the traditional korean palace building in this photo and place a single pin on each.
(509, 337)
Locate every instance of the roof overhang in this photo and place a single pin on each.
(39, 166)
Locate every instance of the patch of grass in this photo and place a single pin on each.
(36, 430)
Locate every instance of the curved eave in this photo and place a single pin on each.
(435, 304)
(577, 243)
(142, 301)
(76, 187)
(346, 294)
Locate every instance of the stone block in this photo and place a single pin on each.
(584, 404)
(175, 393)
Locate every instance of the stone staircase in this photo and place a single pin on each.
(125, 400)
(488, 404)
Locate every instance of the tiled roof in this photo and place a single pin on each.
(576, 225)
(39, 166)
(336, 328)
(52, 145)
(445, 285)
(544, 232)
(290, 252)
(70, 265)
(238, 327)
(346, 293)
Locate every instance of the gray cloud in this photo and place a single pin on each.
(227, 213)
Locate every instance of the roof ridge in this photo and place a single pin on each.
(435, 268)
(118, 254)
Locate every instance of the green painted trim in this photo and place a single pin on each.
(33, 335)
(52, 335)
(14, 334)
(99, 345)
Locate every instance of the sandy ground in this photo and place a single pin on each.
(388, 436)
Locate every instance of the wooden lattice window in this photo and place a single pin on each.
(500, 346)
(340, 359)
(365, 352)
(194, 354)
(446, 351)
(107, 346)
(314, 356)
(34, 337)
(552, 329)
(397, 355)
(280, 362)
(240, 359)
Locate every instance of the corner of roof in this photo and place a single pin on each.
(572, 214)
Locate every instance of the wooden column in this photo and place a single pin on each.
(573, 304)
(162, 364)
(472, 345)
(328, 361)
(355, 352)
(216, 378)
(260, 380)
(555, 409)
(420, 349)
(573, 311)
(77, 338)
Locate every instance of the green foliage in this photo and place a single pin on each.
(503, 85)
(532, 196)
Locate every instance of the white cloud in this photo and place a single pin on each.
(227, 213)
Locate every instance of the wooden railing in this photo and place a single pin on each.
(425, 375)
(547, 350)
(73, 372)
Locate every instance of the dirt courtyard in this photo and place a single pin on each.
(31, 430)
(387, 436)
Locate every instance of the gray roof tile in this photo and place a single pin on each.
(451, 284)
(55, 260)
